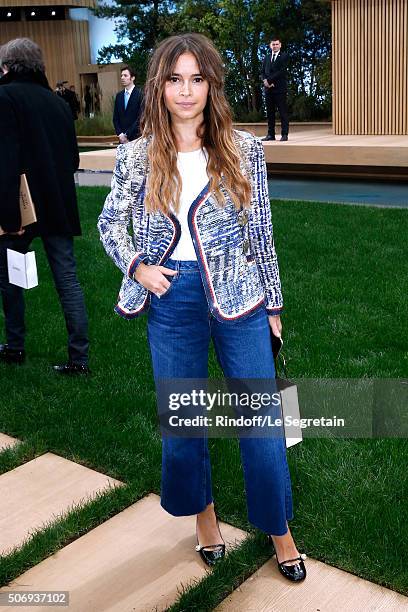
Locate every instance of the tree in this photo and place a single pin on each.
(241, 30)
(139, 26)
(305, 29)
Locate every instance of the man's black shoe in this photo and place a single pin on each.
(72, 368)
(284, 139)
(10, 355)
(268, 137)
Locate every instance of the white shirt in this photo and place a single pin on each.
(131, 88)
(192, 166)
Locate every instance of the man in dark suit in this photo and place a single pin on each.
(274, 70)
(128, 108)
(38, 139)
(68, 96)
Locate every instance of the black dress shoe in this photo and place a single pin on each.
(72, 368)
(268, 137)
(296, 572)
(10, 355)
(284, 139)
(212, 553)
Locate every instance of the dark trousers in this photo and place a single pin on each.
(60, 254)
(276, 101)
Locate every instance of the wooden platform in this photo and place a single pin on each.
(142, 558)
(7, 441)
(325, 588)
(320, 152)
(136, 561)
(36, 492)
(311, 149)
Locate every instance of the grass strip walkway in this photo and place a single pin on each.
(345, 282)
(22, 452)
(58, 533)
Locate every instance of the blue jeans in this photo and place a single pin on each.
(180, 328)
(60, 255)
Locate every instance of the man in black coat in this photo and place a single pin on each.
(75, 104)
(38, 139)
(274, 70)
(128, 107)
(69, 97)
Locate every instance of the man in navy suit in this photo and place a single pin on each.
(128, 107)
(274, 69)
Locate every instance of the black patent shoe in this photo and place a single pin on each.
(72, 368)
(268, 137)
(296, 572)
(215, 553)
(10, 355)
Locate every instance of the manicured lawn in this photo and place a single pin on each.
(344, 274)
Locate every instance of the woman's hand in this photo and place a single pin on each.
(276, 325)
(153, 278)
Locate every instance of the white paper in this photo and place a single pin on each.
(22, 269)
(290, 408)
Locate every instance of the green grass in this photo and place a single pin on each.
(99, 125)
(345, 282)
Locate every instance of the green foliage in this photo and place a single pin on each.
(306, 108)
(241, 30)
(253, 116)
(100, 125)
(345, 307)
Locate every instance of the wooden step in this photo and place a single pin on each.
(7, 441)
(39, 491)
(136, 560)
(325, 588)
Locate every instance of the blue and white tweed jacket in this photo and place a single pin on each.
(235, 249)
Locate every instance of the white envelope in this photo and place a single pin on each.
(22, 269)
(290, 409)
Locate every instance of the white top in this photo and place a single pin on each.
(192, 166)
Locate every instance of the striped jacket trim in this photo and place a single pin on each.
(213, 304)
(237, 281)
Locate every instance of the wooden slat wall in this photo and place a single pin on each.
(80, 30)
(65, 45)
(69, 3)
(370, 66)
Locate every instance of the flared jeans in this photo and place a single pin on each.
(180, 328)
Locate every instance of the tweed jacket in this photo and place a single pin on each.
(235, 248)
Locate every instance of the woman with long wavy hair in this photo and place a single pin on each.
(202, 262)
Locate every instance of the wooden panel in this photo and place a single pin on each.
(370, 66)
(7, 441)
(38, 491)
(65, 45)
(140, 559)
(306, 147)
(69, 3)
(109, 83)
(80, 30)
(325, 588)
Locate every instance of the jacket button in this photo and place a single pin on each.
(245, 245)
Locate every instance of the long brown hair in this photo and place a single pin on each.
(216, 131)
